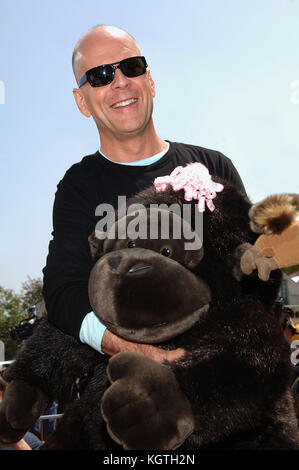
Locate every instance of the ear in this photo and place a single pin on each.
(96, 244)
(152, 84)
(81, 103)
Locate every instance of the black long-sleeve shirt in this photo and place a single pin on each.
(93, 181)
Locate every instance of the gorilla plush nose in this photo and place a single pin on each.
(139, 268)
(114, 262)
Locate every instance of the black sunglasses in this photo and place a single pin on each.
(104, 74)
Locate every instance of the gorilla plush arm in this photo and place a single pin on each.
(45, 370)
(227, 375)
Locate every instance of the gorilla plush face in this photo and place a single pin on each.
(151, 289)
(144, 289)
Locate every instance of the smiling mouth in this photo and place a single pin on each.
(124, 103)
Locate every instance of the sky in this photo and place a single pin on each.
(226, 75)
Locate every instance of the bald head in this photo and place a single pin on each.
(100, 41)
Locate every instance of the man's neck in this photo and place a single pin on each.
(134, 148)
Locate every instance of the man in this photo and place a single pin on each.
(119, 97)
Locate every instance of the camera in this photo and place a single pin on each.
(26, 327)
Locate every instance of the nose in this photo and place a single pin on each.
(120, 80)
(139, 268)
(126, 266)
(114, 262)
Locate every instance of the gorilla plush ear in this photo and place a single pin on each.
(96, 243)
(193, 258)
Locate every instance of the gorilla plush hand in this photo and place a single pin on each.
(16, 416)
(276, 219)
(144, 407)
(249, 258)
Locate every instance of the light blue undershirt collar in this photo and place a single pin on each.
(144, 161)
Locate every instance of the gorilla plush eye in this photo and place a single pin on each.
(166, 251)
(131, 244)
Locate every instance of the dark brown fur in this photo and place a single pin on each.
(235, 376)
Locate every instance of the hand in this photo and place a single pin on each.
(253, 259)
(113, 344)
(144, 408)
(21, 445)
(248, 258)
(21, 406)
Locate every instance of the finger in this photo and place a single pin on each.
(139, 435)
(263, 270)
(124, 403)
(247, 263)
(129, 364)
(265, 266)
(174, 355)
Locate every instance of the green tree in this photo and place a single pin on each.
(32, 292)
(14, 308)
(11, 313)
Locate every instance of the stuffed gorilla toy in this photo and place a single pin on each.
(230, 390)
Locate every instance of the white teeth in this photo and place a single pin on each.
(124, 103)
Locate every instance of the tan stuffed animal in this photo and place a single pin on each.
(277, 219)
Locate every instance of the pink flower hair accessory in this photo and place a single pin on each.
(196, 181)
